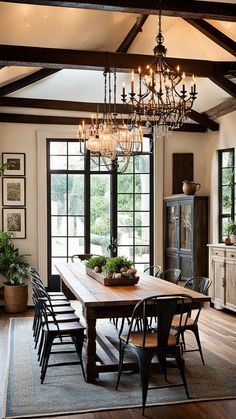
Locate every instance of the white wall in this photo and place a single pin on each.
(30, 139)
(19, 138)
(183, 142)
(25, 138)
(22, 138)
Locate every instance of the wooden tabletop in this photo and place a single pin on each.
(92, 293)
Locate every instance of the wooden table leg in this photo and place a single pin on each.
(90, 366)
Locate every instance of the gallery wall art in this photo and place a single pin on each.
(14, 194)
(15, 164)
(14, 220)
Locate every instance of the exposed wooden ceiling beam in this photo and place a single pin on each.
(64, 105)
(222, 109)
(214, 34)
(203, 119)
(90, 107)
(61, 58)
(26, 81)
(137, 27)
(181, 8)
(192, 128)
(68, 120)
(225, 84)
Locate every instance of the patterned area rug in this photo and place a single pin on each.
(64, 390)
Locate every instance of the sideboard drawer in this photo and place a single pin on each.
(218, 252)
(231, 254)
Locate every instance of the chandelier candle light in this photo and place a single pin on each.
(108, 140)
(161, 101)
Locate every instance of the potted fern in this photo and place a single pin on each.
(15, 271)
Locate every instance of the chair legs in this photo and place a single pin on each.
(48, 340)
(79, 346)
(144, 366)
(196, 334)
(144, 361)
(121, 358)
(180, 363)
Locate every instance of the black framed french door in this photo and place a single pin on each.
(92, 210)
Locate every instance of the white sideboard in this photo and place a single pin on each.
(222, 272)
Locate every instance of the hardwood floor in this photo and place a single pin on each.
(218, 335)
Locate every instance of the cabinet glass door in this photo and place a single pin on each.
(186, 234)
(172, 219)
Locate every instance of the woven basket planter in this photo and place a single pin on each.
(16, 297)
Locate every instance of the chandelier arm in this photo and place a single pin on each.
(109, 92)
(105, 92)
(114, 92)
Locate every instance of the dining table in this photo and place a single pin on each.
(111, 302)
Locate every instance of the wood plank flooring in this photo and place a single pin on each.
(218, 335)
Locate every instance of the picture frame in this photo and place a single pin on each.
(16, 164)
(14, 220)
(13, 191)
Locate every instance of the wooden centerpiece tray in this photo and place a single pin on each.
(124, 280)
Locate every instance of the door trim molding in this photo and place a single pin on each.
(42, 136)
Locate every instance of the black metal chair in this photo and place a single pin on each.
(146, 343)
(53, 330)
(62, 307)
(154, 270)
(198, 284)
(171, 275)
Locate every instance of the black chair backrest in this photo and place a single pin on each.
(164, 307)
(171, 275)
(42, 301)
(36, 280)
(198, 283)
(154, 270)
(84, 256)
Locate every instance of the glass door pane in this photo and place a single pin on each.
(172, 219)
(100, 220)
(94, 211)
(67, 216)
(133, 212)
(186, 226)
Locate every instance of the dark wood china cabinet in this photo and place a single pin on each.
(186, 234)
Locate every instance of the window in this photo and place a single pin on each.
(94, 211)
(227, 190)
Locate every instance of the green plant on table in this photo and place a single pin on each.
(119, 264)
(12, 265)
(96, 262)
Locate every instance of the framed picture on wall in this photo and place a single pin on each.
(13, 191)
(15, 164)
(14, 220)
